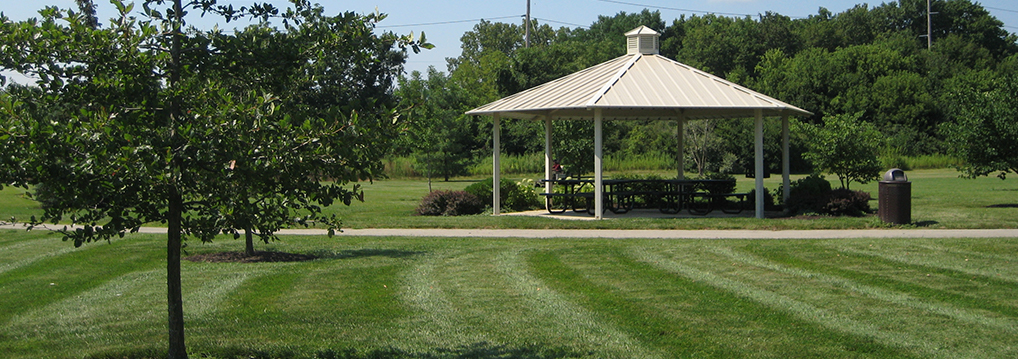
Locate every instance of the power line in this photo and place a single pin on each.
(450, 22)
(561, 22)
(689, 10)
(672, 8)
(999, 9)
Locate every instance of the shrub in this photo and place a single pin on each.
(648, 200)
(522, 196)
(844, 202)
(514, 196)
(750, 203)
(808, 194)
(450, 203)
(42, 194)
(719, 187)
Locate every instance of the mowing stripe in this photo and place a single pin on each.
(891, 278)
(973, 254)
(872, 292)
(21, 249)
(119, 311)
(571, 320)
(992, 274)
(206, 285)
(123, 309)
(436, 317)
(779, 302)
(52, 279)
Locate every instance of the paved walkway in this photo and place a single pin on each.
(646, 233)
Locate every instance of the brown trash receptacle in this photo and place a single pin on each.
(894, 203)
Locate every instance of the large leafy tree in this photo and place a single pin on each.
(151, 121)
(985, 134)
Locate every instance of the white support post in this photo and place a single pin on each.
(785, 161)
(759, 176)
(547, 154)
(681, 156)
(496, 147)
(598, 175)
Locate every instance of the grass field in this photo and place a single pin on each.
(939, 200)
(518, 298)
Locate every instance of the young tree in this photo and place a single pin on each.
(138, 123)
(437, 133)
(703, 145)
(844, 145)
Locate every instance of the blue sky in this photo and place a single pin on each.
(444, 21)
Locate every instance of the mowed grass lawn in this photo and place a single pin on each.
(518, 298)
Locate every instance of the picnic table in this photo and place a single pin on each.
(670, 196)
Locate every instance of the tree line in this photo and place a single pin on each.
(871, 63)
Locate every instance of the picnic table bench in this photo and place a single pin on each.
(670, 196)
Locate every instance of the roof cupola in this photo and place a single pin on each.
(642, 40)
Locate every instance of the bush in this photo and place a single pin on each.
(655, 185)
(450, 203)
(813, 194)
(807, 195)
(750, 203)
(42, 194)
(514, 196)
(719, 187)
(844, 202)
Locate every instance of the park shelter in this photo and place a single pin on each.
(641, 85)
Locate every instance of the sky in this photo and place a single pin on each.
(445, 21)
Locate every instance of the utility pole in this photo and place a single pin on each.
(526, 37)
(929, 25)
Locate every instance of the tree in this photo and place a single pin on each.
(985, 132)
(437, 133)
(703, 145)
(139, 123)
(845, 146)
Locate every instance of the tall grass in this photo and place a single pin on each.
(923, 162)
(645, 162)
(403, 167)
(534, 163)
(400, 167)
(511, 164)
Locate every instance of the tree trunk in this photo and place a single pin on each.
(174, 299)
(174, 215)
(249, 245)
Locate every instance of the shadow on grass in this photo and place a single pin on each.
(481, 350)
(925, 223)
(1003, 205)
(363, 253)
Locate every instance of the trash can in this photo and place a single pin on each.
(894, 204)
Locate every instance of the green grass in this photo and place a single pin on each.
(940, 199)
(15, 203)
(519, 298)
